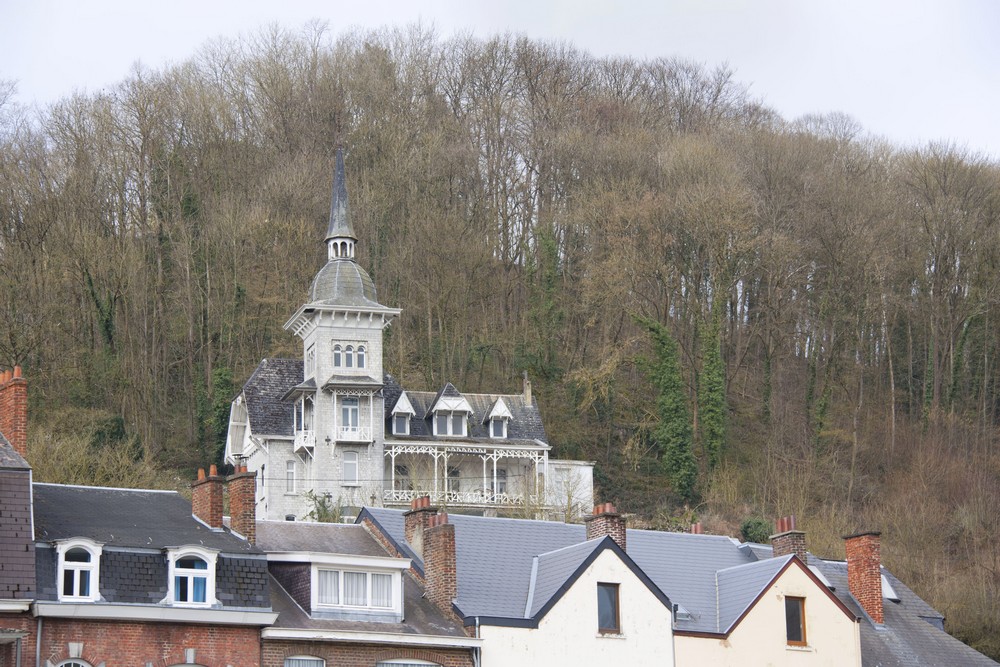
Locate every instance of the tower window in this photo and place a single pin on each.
(337, 356)
(361, 356)
(349, 357)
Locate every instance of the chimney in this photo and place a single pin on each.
(696, 528)
(416, 521)
(243, 503)
(206, 498)
(14, 410)
(864, 572)
(606, 521)
(788, 540)
(440, 567)
(526, 383)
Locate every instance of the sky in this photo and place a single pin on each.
(912, 71)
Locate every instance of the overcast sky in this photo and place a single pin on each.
(910, 70)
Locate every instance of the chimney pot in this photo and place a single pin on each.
(213, 471)
(17, 371)
(206, 499)
(606, 521)
(201, 473)
(787, 540)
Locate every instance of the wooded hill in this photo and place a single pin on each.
(734, 314)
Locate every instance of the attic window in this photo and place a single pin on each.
(340, 588)
(449, 423)
(498, 428)
(795, 620)
(401, 424)
(608, 617)
(191, 580)
(79, 570)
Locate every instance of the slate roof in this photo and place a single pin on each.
(9, 458)
(278, 536)
(342, 282)
(525, 424)
(125, 518)
(263, 393)
(712, 577)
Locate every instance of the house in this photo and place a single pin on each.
(539, 588)
(333, 424)
(343, 599)
(94, 576)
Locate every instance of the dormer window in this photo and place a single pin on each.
(337, 588)
(498, 428)
(401, 424)
(79, 570)
(191, 577)
(402, 411)
(497, 418)
(450, 423)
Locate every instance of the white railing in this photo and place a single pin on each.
(304, 440)
(349, 434)
(476, 498)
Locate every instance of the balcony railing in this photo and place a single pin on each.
(478, 498)
(304, 441)
(354, 434)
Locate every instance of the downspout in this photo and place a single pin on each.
(475, 651)
(673, 636)
(38, 643)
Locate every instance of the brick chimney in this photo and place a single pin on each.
(416, 521)
(864, 572)
(606, 521)
(14, 409)
(788, 540)
(697, 529)
(440, 566)
(526, 385)
(243, 503)
(206, 497)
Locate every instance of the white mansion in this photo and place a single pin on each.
(333, 425)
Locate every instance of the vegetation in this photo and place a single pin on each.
(531, 207)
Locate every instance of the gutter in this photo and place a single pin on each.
(371, 637)
(128, 612)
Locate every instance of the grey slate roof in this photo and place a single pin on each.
(263, 393)
(739, 587)
(340, 223)
(525, 424)
(277, 536)
(125, 518)
(9, 458)
(551, 570)
(342, 282)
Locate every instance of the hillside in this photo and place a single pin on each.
(833, 299)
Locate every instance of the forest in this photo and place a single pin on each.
(736, 315)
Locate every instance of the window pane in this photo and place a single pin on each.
(192, 563)
(68, 578)
(793, 620)
(181, 589)
(361, 357)
(77, 555)
(199, 589)
(84, 583)
(381, 590)
(458, 423)
(401, 424)
(349, 357)
(336, 356)
(304, 662)
(607, 607)
(329, 587)
(354, 588)
(442, 424)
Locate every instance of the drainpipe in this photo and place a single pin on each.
(475, 651)
(673, 635)
(38, 643)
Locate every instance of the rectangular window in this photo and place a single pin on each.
(350, 467)
(458, 423)
(608, 619)
(501, 486)
(355, 589)
(381, 590)
(401, 424)
(795, 621)
(497, 429)
(328, 587)
(349, 414)
(441, 423)
(311, 360)
(454, 480)
(289, 476)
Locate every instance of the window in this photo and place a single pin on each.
(192, 577)
(337, 356)
(361, 356)
(304, 414)
(501, 485)
(304, 661)
(401, 424)
(498, 428)
(349, 413)
(608, 620)
(405, 662)
(289, 476)
(795, 621)
(449, 423)
(349, 357)
(353, 589)
(350, 467)
(79, 569)
(402, 478)
(311, 360)
(74, 663)
(454, 480)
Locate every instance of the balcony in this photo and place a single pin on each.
(354, 434)
(305, 441)
(480, 498)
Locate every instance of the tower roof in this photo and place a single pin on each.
(340, 223)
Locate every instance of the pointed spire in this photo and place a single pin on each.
(340, 237)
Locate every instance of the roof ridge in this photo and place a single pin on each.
(776, 559)
(106, 488)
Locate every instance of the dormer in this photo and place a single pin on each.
(402, 412)
(450, 413)
(497, 418)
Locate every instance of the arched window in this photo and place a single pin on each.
(304, 661)
(74, 663)
(336, 356)
(192, 576)
(406, 662)
(349, 357)
(361, 356)
(79, 570)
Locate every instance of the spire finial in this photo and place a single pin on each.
(340, 237)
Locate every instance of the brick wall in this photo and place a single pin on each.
(120, 644)
(14, 409)
(206, 497)
(243, 504)
(864, 572)
(17, 547)
(440, 566)
(360, 655)
(606, 521)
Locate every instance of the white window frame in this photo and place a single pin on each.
(338, 356)
(351, 458)
(361, 356)
(501, 481)
(406, 662)
(290, 477)
(349, 356)
(93, 568)
(452, 418)
(210, 556)
(454, 479)
(318, 661)
(395, 588)
(405, 421)
(350, 414)
(310, 360)
(503, 425)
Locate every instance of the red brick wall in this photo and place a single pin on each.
(14, 410)
(606, 521)
(120, 644)
(206, 498)
(360, 655)
(864, 572)
(243, 504)
(791, 542)
(25, 623)
(440, 567)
